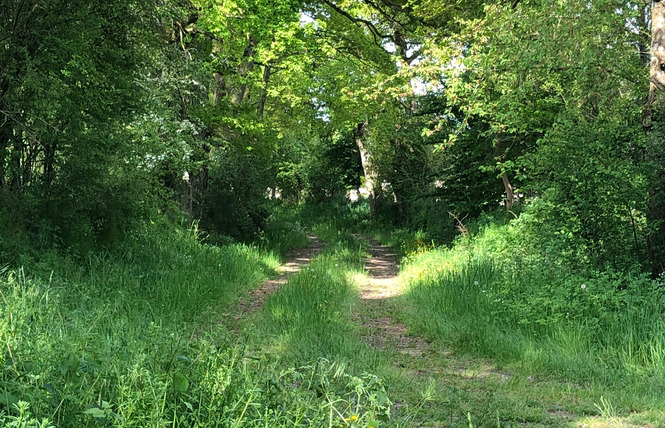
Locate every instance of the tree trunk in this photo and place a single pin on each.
(399, 180)
(244, 69)
(360, 135)
(656, 141)
(15, 164)
(220, 89)
(510, 195)
(264, 92)
(186, 197)
(5, 142)
(507, 186)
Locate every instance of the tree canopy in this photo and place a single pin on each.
(203, 110)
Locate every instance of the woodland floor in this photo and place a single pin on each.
(432, 386)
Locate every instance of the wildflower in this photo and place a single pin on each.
(583, 286)
(475, 282)
(354, 418)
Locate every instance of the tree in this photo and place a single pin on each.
(559, 103)
(67, 93)
(652, 124)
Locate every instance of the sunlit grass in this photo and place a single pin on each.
(140, 339)
(311, 315)
(486, 297)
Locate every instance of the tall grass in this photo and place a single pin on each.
(311, 314)
(118, 329)
(145, 337)
(490, 296)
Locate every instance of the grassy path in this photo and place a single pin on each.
(185, 334)
(295, 262)
(346, 318)
(422, 375)
(433, 387)
(381, 330)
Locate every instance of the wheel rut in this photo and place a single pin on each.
(381, 330)
(294, 263)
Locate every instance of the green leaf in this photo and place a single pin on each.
(382, 398)
(95, 412)
(183, 358)
(180, 382)
(7, 398)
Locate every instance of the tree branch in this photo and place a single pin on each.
(376, 33)
(386, 15)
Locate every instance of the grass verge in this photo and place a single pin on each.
(600, 334)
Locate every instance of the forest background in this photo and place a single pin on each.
(520, 142)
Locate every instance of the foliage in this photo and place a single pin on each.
(512, 132)
(64, 108)
(336, 169)
(234, 203)
(561, 112)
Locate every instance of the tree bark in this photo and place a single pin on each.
(360, 135)
(220, 88)
(264, 92)
(245, 67)
(5, 143)
(186, 197)
(507, 186)
(510, 195)
(656, 141)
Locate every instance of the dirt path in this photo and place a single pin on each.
(295, 262)
(456, 379)
(381, 330)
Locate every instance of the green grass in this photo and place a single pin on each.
(488, 297)
(119, 330)
(308, 322)
(311, 314)
(147, 336)
(139, 338)
(310, 317)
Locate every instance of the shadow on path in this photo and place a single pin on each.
(382, 331)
